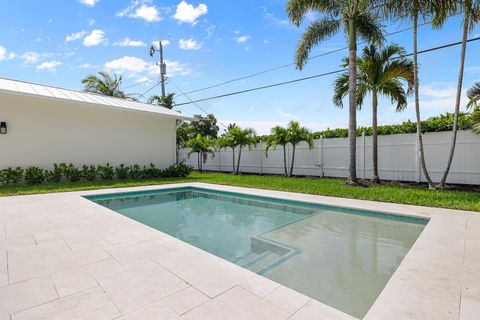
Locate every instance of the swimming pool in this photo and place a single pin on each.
(341, 257)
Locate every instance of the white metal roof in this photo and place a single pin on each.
(14, 87)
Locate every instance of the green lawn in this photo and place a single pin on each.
(325, 186)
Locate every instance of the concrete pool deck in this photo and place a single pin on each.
(65, 257)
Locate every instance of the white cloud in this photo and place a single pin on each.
(30, 57)
(134, 66)
(75, 36)
(187, 13)
(49, 65)
(285, 114)
(242, 39)
(141, 10)
(439, 97)
(89, 3)
(95, 38)
(127, 42)
(474, 69)
(85, 66)
(272, 18)
(3, 53)
(165, 43)
(90, 22)
(11, 56)
(189, 44)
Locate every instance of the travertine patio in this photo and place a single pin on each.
(64, 257)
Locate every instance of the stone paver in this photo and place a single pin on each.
(65, 257)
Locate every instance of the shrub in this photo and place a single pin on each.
(152, 172)
(122, 172)
(72, 173)
(136, 172)
(106, 172)
(11, 176)
(89, 173)
(34, 175)
(181, 170)
(56, 174)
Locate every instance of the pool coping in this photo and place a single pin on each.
(438, 279)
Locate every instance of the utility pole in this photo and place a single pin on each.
(161, 64)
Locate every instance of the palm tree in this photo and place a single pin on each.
(242, 138)
(227, 141)
(166, 101)
(415, 9)
(473, 95)
(278, 137)
(202, 146)
(358, 20)
(380, 72)
(295, 135)
(104, 84)
(471, 16)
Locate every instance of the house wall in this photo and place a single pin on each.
(398, 158)
(46, 131)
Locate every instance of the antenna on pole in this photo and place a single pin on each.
(161, 64)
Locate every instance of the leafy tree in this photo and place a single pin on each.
(380, 72)
(295, 135)
(184, 133)
(471, 16)
(242, 138)
(202, 146)
(167, 101)
(278, 137)
(205, 126)
(358, 19)
(227, 141)
(104, 84)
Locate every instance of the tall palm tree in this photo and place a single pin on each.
(358, 19)
(471, 16)
(415, 9)
(202, 146)
(295, 135)
(242, 138)
(473, 95)
(166, 101)
(278, 137)
(227, 141)
(380, 72)
(104, 84)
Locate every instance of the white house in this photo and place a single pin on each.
(42, 125)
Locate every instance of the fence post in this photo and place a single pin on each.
(363, 155)
(417, 160)
(322, 171)
(261, 160)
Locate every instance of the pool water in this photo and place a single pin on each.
(341, 257)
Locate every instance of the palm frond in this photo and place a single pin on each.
(473, 95)
(298, 9)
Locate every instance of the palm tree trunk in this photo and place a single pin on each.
(285, 160)
(233, 160)
(375, 176)
(457, 102)
(293, 160)
(352, 105)
(417, 102)
(238, 161)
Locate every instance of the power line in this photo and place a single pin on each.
(316, 76)
(143, 94)
(292, 64)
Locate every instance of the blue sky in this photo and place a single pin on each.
(58, 42)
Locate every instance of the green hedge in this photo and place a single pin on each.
(63, 172)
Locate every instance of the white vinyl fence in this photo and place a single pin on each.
(397, 154)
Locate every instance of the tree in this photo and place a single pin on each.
(358, 20)
(473, 95)
(380, 72)
(471, 16)
(242, 138)
(415, 9)
(202, 146)
(227, 141)
(295, 135)
(278, 137)
(205, 126)
(167, 101)
(104, 84)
